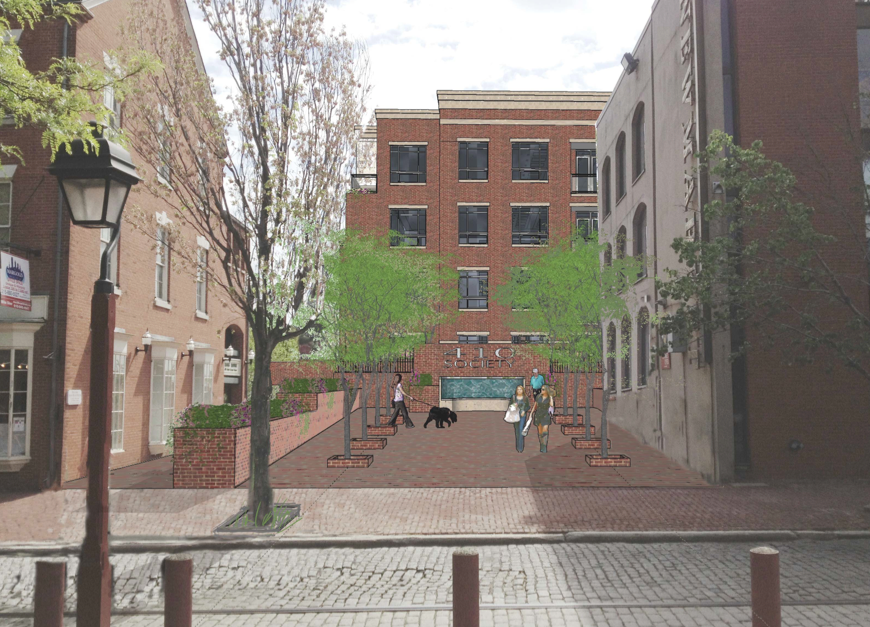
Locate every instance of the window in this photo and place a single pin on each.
(620, 167)
(14, 401)
(105, 238)
(637, 143)
(625, 351)
(605, 187)
(608, 255)
(410, 224)
(119, 382)
(162, 395)
(473, 225)
(621, 237)
(528, 339)
(529, 161)
(530, 225)
(640, 239)
(203, 378)
(473, 339)
(585, 178)
(473, 289)
(611, 358)
(5, 211)
(642, 346)
(114, 106)
(473, 161)
(201, 279)
(164, 149)
(586, 223)
(161, 276)
(407, 164)
(864, 74)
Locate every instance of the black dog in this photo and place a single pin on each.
(440, 415)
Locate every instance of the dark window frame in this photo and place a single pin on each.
(411, 238)
(478, 339)
(397, 175)
(638, 147)
(530, 238)
(589, 217)
(474, 301)
(593, 169)
(611, 358)
(640, 239)
(539, 151)
(643, 347)
(466, 234)
(527, 338)
(625, 345)
(466, 173)
(621, 185)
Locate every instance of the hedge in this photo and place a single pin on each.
(308, 386)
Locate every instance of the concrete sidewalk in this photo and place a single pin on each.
(60, 516)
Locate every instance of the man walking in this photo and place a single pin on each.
(399, 400)
(537, 382)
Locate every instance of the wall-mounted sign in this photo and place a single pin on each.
(232, 367)
(470, 360)
(17, 424)
(73, 397)
(14, 282)
(666, 361)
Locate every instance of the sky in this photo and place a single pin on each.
(420, 46)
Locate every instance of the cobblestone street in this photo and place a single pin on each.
(823, 584)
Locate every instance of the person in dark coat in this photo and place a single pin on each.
(521, 401)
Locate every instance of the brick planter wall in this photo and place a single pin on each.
(355, 461)
(567, 420)
(592, 444)
(372, 444)
(220, 458)
(612, 461)
(578, 430)
(381, 430)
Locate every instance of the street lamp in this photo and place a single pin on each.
(95, 186)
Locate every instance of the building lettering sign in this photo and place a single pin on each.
(14, 282)
(470, 360)
(232, 367)
(687, 89)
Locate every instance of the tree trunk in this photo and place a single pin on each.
(260, 503)
(603, 433)
(378, 378)
(576, 391)
(565, 369)
(365, 412)
(590, 382)
(349, 398)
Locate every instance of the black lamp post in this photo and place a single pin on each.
(95, 187)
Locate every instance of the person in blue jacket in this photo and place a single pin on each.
(537, 383)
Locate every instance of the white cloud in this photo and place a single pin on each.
(420, 46)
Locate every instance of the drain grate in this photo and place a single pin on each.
(282, 515)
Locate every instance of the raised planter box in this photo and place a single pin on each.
(567, 420)
(592, 444)
(220, 458)
(355, 461)
(372, 444)
(612, 461)
(381, 430)
(578, 430)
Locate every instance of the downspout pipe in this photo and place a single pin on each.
(54, 407)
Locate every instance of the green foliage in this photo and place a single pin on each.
(61, 99)
(767, 264)
(308, 386)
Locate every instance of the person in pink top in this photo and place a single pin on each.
(399, 400)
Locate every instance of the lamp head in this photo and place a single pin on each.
(146, 338)
(629, 63)
(190, 345)
(251, 355)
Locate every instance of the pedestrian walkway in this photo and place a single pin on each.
(478, 451)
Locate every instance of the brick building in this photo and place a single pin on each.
(485, 177)
(784, 72)
(44, 404)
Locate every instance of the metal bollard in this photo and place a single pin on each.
(466, 588)
(177, 590)
(766, 600)
(48, 594)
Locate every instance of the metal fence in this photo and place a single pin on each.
(557, 368)
(403, 364)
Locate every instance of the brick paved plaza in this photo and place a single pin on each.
(824, 584)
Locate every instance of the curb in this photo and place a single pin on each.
(164, 544)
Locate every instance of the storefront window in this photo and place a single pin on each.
(14, 401)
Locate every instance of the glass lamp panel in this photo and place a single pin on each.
(117, 197)
(85, 198)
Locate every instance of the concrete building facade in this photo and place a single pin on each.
(44, 404)
(784, 72)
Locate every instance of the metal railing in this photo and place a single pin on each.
(557, 368)
(584, 184)
(402, 364)
(367, 182)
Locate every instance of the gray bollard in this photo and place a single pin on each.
(48, 594)
(178, 591)
(766, 600)
(466, 588)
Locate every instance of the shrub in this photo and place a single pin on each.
(198, 416)
(309, 386)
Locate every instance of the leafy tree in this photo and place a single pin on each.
(372, 307)
(61, 99)
(772, 266)
(262, 177)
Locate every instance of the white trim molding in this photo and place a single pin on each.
(473, 333)
(583, 204)
(409, 143)
(519, 122)
(407, 206)
(203, 242)
(530, 204)
(472, 204)
(473, 268)
(7, 171)
(537, 141)
(162, 218)
(472, 139)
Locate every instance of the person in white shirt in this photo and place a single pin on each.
(399, 398)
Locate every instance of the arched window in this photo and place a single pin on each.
(639, 227)
(642, 346)
(608, 255)
(621, 238)
(605, 187)
(625, 352)
(637, 143)
(620, 167)
(611, 358)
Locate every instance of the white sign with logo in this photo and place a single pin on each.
(17, 425)
(232, 367)
(14, 282)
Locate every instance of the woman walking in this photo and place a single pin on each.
(542, 410)
(399, 399)
(521, 402)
